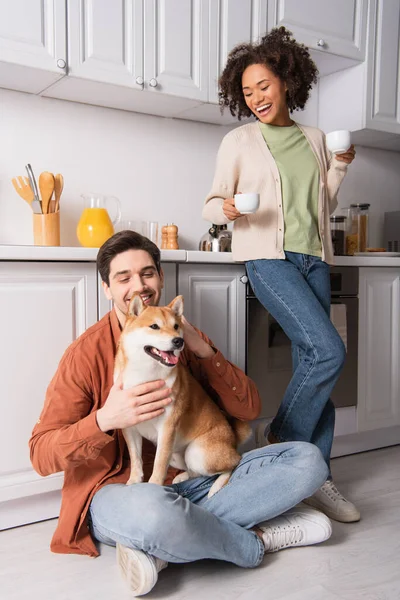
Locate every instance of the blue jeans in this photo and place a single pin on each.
(178, 523)
(296, 292)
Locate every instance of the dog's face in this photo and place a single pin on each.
(153, 333)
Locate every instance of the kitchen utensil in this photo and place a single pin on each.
(338, 141)
(217, 239)
(58, 189)
(247, 203)
(46, 187)
(46, 229)
(33, 185)
(95, 225)
(24, 190)
(172, 237)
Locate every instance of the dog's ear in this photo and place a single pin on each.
(136, 306)
(177, 306)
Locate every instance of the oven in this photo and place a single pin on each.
(269, 357)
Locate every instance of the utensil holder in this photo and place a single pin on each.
(46, 229)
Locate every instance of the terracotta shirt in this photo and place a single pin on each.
(67, 438)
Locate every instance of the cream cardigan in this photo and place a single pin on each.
(245, 164)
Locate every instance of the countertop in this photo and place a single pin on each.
(72, 254)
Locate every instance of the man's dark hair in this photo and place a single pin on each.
(121, 242)
(281, 54)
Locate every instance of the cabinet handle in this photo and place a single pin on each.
(139, 80)
(153, 82)
(321, 43)
(244, 279)
(61, 64)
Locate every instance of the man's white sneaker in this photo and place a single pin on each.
(331, 502)
(139, 569)
(299, 526)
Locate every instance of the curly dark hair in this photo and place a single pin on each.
(279, 52)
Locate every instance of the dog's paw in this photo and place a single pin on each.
(219, 483)
(181, 477)
(134, 479)
(156, 480)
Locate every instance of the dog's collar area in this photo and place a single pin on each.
(165, 357)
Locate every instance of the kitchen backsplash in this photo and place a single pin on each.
(160, 169)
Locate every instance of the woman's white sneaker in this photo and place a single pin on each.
(139, 569)
(332, 503)
(299, 526)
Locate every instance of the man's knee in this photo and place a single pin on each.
(313, 461)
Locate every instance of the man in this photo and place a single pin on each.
(79, 432)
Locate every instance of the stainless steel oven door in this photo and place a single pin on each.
(269, 356)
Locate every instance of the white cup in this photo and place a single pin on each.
(338, 141)
(247, 203)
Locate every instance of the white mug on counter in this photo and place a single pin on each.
(338, 141)
(247, 203)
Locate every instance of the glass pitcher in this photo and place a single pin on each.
(95, 225)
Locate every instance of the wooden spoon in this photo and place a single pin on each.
(46, 187)
(58, 188)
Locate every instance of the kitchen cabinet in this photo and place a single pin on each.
(379, 349)
(33, 50)
(329, 28)
(44, 306)
(369, 92)
(215, 302)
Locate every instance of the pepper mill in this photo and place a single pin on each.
(172, 237)
(164, 237)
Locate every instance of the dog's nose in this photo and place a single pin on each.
(177, 342)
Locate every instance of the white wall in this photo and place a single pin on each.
(160, 169)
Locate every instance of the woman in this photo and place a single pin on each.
(286, 244)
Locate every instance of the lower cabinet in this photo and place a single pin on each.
(215, 302)
(379, 349)
(43, 307)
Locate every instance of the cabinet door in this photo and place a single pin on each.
(44, 307)
(215, 302)
(168, 293)
(232, 22)
(379, 349)
(176, 50)
(105, 41)
(383, 91)
(335, 27)
(33, 52)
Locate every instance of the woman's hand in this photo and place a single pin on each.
(347, 156)
(230, 210)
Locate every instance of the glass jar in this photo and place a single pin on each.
(338, 233)
(357, 236)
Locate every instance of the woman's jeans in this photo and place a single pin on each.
(178, 523)
(296, 292)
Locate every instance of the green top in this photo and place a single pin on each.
(299, 172)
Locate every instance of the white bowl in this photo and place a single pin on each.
(338, 141)
(247, 203)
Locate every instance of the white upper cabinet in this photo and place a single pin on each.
(105, 42)
(366, 99)
(334, 27)
(176, 40)
(232, 22)
(33, 51)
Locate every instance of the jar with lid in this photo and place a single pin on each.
(357, 236)
(338, 233)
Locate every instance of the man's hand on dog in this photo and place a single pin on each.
(194, 342)
(124, 408)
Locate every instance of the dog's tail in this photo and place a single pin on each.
(241, 429)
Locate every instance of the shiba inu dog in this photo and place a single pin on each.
(192, 434)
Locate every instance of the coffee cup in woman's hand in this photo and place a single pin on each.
(247, 203)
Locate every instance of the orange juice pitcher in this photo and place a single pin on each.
(95, 225)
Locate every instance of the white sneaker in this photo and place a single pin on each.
(330, 501)
(299, 526)
(261, 433)
(139, 569)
